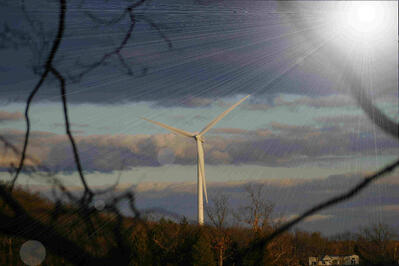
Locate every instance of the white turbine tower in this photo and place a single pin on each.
(201, 183)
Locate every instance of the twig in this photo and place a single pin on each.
(128, 10)
(158, 29)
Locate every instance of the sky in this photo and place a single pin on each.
(300, 133)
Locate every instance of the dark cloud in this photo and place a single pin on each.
(257, 106)
(188, 102)
(213, 56)
(4, 69)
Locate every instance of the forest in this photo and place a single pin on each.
(109, 239)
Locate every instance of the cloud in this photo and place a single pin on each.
(187, 102)
(358, 125)
(35, 153)
(291, 129)
(320, 101)
(344, 120)
(329, 101)
(257, 106)
(280, 146)
(7, 116)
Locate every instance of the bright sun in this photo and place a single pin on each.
(364, 16)
(363, 20)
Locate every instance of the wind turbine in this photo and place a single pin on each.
(201, 182)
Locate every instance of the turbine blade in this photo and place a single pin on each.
(173, 129)
(204, 183)
(217, 119)
(201, 165)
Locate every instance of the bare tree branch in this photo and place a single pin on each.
(372, 111)
(68, 130)
(158, 29)
(326, 204)
(116, 51)
(218, 211)
(54, 49)
(127, 11)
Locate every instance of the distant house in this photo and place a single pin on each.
(334, 260)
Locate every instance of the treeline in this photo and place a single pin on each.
(180, 243)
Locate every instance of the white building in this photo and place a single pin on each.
(334, 260)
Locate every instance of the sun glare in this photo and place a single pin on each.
(364, 21)
(364, 16)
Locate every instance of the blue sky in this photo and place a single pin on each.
(300, 122)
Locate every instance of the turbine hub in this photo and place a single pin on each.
(199, 138)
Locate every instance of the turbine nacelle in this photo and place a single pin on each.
(199, 138)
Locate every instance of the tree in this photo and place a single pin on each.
(257, 213)
(376, 245)
(281, 251)
(219, 213)
(202, 254)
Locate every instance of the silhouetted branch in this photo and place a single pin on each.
(326, 204)
(102, 21)
(16, 151)
(48, 65)
(158, 29)
(116, 51)
(372, 111)
(127, 11)
(68, 130)
(107, 22)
